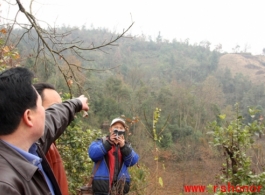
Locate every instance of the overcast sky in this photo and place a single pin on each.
(226, 22)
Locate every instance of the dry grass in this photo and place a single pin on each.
(177, 173)
(251, 66)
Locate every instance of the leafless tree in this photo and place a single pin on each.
(51, 45)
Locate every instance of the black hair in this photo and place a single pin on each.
(16, 96)
(41, 86)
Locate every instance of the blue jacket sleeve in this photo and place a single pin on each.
(97, 150)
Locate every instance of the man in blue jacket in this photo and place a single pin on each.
(112, 156)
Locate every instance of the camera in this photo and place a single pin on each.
(118, 133)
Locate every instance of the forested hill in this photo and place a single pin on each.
(190, 83)
(169, 92)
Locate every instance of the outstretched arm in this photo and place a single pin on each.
(58, 117)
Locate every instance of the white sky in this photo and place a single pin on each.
(226, 22)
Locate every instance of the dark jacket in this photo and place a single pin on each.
(20, 177)
(105, 153)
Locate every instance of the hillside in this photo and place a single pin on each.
(180, 79)
(251, 66)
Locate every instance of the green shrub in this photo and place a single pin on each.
(236, 139)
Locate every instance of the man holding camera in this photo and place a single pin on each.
(112, 156)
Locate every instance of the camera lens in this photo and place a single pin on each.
(121, 132)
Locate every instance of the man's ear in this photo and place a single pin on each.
(27, 118)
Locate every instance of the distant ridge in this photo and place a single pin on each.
(251, 66)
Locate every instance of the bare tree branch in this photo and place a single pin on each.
(51, 45)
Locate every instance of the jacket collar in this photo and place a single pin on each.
(17, 161)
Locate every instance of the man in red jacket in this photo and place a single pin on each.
(49, 97)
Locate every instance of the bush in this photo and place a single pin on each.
(236, 139)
